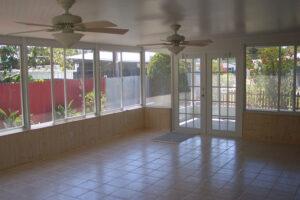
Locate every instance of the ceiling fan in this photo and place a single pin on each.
(176, 43)
(66, 24)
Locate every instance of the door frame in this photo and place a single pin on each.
(206, 66)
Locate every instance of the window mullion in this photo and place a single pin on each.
(52, 86)
(65, 85)
(143, 79)
(294, 79)
(97, 82)
(83, 84)
(121, 74)
(279, 80)
(25, 86)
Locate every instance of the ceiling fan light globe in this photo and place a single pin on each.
(176, 49)
(67, 39)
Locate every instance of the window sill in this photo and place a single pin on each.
(273, 112)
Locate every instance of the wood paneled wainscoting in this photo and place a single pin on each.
(272, 127)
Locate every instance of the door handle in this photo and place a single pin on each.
(202, 92)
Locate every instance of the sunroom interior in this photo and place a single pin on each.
(78, 122)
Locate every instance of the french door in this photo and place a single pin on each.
(205, 94)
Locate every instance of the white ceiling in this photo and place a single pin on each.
(149, 20)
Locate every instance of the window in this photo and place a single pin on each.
(120, 79)
(10, 89)
(88, 62)
(158, 79)
(271, 78)
(39, 80)
(110, 80)
(131, 73)
(297, 85)
(59, 86)
(74, 82)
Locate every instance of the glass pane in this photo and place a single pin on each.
(224, 65)
(182, 107)
(197, 79)
(58, 69)
(287, 78)
(262, 78)
(215, 123)
(182, 120)
(232, 79)
(197, 93)
(197, 107)
(231, 94)
(189, 77)
(197, 121)
(215, 94)
(39, 75)
(110, 81)
(215, 79)
(158, 79)
(189, 94)
(231, 109)
(190, 121)
(223, 109)
(215, 108)
(223, 79)
(223, 94)
(215, 65)
(223, 124)
(197, 63)
(131, 67)
(231, 124)
(189, 107)
(10, 90)
(74, 82)
(297, 103)
(89, 81)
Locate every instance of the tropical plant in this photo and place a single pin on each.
(60, 111)
(159, 70)
(12, 119)
(90, 102)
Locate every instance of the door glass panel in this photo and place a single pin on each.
(189, 93)
(223, 94)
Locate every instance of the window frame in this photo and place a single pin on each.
(278, 110)
(24, 42)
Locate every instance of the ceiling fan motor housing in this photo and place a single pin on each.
(66, 19)
(175, 39)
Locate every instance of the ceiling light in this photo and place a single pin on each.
(176, 49)
(67, 39)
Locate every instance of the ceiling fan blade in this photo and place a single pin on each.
(198, 42)
(33, 24)
(95, 24)
(107, 30)
(154, 44)
(16, 33)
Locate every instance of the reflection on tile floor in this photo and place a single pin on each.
(134, 167)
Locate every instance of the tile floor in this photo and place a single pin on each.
(133, 167)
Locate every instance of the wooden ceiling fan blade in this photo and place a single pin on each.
(107, 30)
(198, 42)
(95, 24)
(16, 33)
(33, 24)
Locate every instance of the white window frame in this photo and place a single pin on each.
(278, 110)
